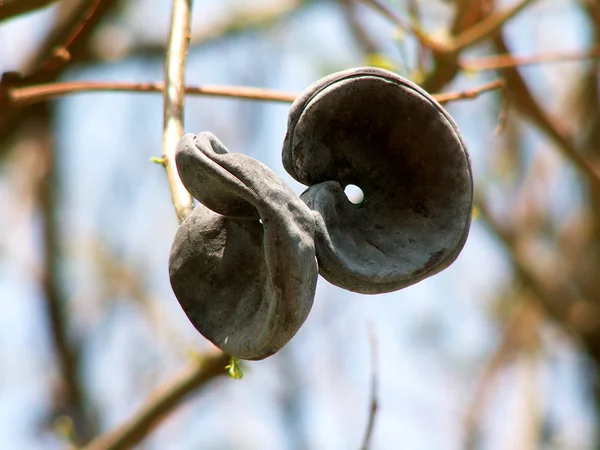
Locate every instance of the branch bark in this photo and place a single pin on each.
(174, 98)
(161, 402)
(33, 94)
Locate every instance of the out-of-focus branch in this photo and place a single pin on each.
(464, 35)
(524, 100)
(66, 41)
(71, 26)
(70, 398)
(161, 402)
(373, 404)
(32, 94)
(415, 14)
(511, 342)
(558, 305)
(174, 97)
(384, 9)
(361, 35)
(487, 27)
(12, 8)
(495, 62)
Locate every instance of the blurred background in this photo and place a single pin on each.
(499, 351)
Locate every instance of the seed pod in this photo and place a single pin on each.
(244, 264)
(373, 129)
(246, 285)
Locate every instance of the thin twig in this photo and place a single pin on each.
(71, 401)
(174, 97)
(54, 54)
(373, 405)
(404, 25)
(504, 61)
(471, 93)
(415, 13)
(353, 18)
(488, 26)
(32, 94)
(71, 37)
(160, 403)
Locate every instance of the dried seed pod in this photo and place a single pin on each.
(373, 129)
(246, 285)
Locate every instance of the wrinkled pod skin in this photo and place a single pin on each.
(248, 285)
(373, 129)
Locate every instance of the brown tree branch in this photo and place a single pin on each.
(28, 95)
(495, 62)
(487, 27)
(33, 94)
(66, 41)
(362, 37)
(384, 9)
(161, 402)
(70, 396)
(174, 97)
(469, 94)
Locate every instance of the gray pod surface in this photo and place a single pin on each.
(248, 284)
(374, 129)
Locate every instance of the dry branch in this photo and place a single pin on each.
(488, 26)
(174, 97)
(68, 38)
(33, 94)
(469, 94)
(72, 401)
(162, 402)
(27, 95)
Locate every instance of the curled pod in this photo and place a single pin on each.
(242, 264)
(371, 128)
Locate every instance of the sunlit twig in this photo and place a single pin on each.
(32, 94)
(174, 97)
(469, 94)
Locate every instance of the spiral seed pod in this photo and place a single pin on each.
(246, 284)
(373, 129)
(244, 264)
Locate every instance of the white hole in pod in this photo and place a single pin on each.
(354, 194)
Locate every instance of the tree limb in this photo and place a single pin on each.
(166, 398)
(174, 98)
